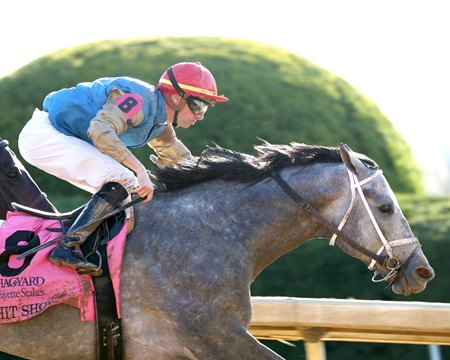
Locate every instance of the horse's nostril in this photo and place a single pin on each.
(424, 273)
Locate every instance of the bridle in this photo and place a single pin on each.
(390, 262)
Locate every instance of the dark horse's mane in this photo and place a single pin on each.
(225, 164)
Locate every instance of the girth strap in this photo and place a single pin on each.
(108, 325)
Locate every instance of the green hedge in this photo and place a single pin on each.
(274, 95)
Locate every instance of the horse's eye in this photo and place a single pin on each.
(12, 172)
(386, 209)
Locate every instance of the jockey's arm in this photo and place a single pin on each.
(169, 148)
(103, 130)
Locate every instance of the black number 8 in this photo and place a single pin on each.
(127, 104)
(12, 247)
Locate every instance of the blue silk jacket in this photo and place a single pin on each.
(72, 109)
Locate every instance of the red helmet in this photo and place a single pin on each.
(191, 79)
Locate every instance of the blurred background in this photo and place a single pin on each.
(371, 74)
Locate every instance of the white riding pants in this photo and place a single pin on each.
(69, 158)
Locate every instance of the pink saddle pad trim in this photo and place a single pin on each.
(30, 286)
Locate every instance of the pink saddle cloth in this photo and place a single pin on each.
(30, 286)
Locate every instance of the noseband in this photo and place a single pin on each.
(390, 262)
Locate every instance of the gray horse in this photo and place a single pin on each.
(197, 247)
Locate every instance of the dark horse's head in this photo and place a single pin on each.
(16, 184)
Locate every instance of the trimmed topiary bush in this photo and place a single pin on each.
(274, 95)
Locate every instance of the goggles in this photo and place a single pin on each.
(197, 106)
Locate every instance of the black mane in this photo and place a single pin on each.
(220, 163)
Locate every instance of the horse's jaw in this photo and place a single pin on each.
(403, 287)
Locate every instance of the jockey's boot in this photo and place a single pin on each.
(67, 253)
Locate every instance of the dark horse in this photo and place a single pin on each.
(197, 247)
(17, 185)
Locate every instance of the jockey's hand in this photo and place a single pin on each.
(146, 187)
(158, 161)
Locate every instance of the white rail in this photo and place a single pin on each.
(318, 320)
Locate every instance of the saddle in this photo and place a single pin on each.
(107, 229)
(108, 323)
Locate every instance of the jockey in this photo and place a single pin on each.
(84, 134)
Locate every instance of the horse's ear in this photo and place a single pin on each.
(349, 158)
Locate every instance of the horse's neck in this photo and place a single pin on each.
(257, 223)
(41, 202)
(283, 224)
(31, 195)
(279, 229)
(261, 219)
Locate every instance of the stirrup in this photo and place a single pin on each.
(96, 272)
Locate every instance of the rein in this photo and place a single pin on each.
(391, 263)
